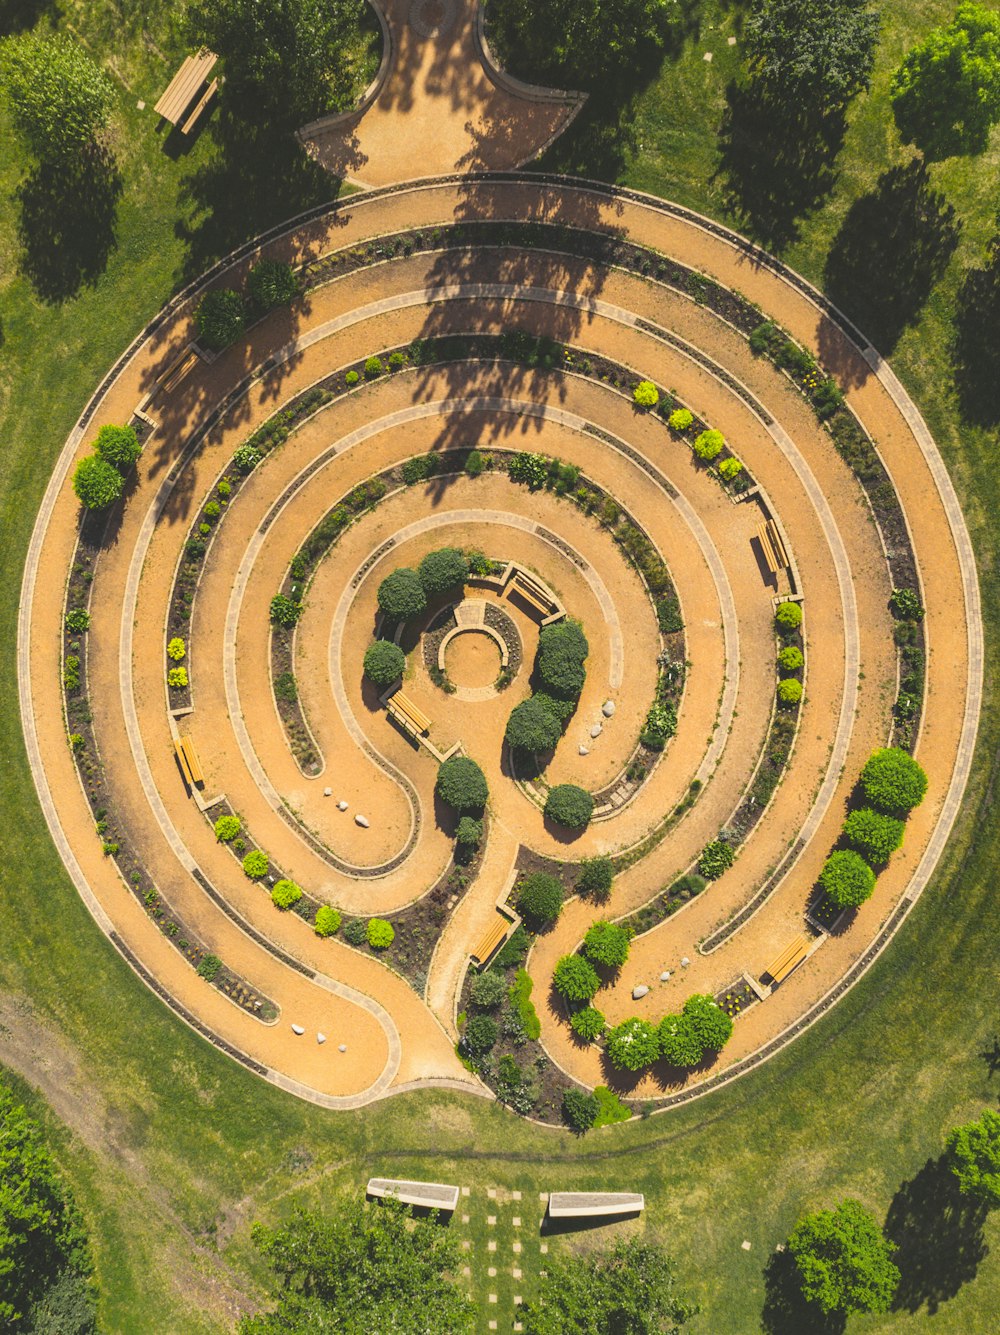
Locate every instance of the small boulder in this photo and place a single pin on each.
(341, 805)
(639, 991)
(584, 750)
(321, 1038)
(665, 976)
(685, 962)
(327, 792)
(342, 1048)
(362, 821)
(608, 708)
(297, 1029)
(596, 730)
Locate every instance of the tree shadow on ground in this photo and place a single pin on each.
(939, 1233)
(778, 162)
(892, 247)
(17, 15)
(975, 353)
(786, 1311)
(67, 223)
(991, 1056)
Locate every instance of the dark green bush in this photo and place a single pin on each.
(271, 283)
(443, 571)
(356, 932)
(480, 1035)
(284, 611)
(514, 950)
(208, 967)
(285, 688)
(475, 464)
(906, 605)
(520, 996)
(462, 784)
(575, 978)
(97, 483)
(559, 662)
(875, 835)
(893, 781)
(588, 1023)
(847, 879)
(579, 1110)
(595, 877)
(220, 318)
(540, 898)
(401, 595)
(716, 858)
(469, 832)
(710, 1023)
(607, 943)
(385, 662)
(569, 805)
(77, 621)
(532, 727)
(488, 990)
(679, 1043)
(420, 468)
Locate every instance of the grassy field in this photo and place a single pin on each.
(171, 1149)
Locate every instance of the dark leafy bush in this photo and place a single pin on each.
(579, 1110)
(462, 784)
(906, 605)
(97, 484)
(469, 832)
(208, 967)
(679, 1042)
(271, 283)
(632, 1045)
(442, 571)
(561, 710)
(475, 464)
(284, 611)
(595, 877)
(530, 469)
(847, 879)
(875, 835)
(588, 1023)
(562, 650)
(893, 781)
(220, 318)
(575, 978)
(356, 932)
(660, 725)
(385, 662)
(532, 728)
(710, 1023)
(285, 687)
(570, 806)
(420, 468)
(246, 457)
(514, 950)
(118, 445)
(77, 621)
(401, 595)
(488, 990)
(607, 943)
(716, 858)
(480, 1035)
(540, 898)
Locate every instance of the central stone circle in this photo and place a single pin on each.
(472, 658)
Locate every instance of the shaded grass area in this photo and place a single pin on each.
(174, 1150)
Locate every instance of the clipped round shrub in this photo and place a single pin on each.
(374, 367)
(892, 780)
(255, 865)
(220, 318)
(285, 894)
(531, 727)
(790, 658)
(442, 571)
(632, 1045)
(789, 691)
(227, 828)
(716, 858)
(488, 990)
(380, 933)
(875, 835)
(645, 394)
(396, 360)
(462, 784)
(569, 805)
(607, 943)
(385, 662)
(327, 920)
(730, 468)
(284, 611)
(562, 649)
(270, 283)
(709, 444)
(539, 898)
(97, 483)
(177, 678)
(595, 877)
(710, 1023)
(176, 649)
(480, 1035)
(351, 379)
(847, 879)
(788, 617)
(588, 1023)
(679, 1042)
(579, 1110)
(469, 832)
(680, 419)
(575, 978)
(356, 932)
(401, 595)
(118, 445)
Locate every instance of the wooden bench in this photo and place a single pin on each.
(173, 376)
(772, 546)
(790, 958)
(200, 106)
(193, 763)
(405, 712)
(530, 592)
(493, 938)
(182, 760)
(184, 87)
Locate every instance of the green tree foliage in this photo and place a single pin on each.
(363, 1268)
(588, 1023)
(946, 93)
(227, 828)
(380, 933)
(539, 898)
(680, 419)
(843, 1261)
(401, 595)
(42, 1242)
(96, 483)
(462, 784)
(284, 611)
(788, 617)
(710, 1023)
(973, 1155)
(569, 806)
(607, 943)
(469, 832)
(118, 445)
(443, 571)
(559, 662)
(596, 876)
(531, 727)
(573, 42)
(271, 283)
(874, 835)
(892, 781)
(847, 879)
(480, 1035)
(709, 444)
(285, 894)
(327, 920)
(817, 52)
(385, 662)
(60, 100)
(679, 1044)
(716, 858)
(790, 658)
(488, 990)
(632, 1044)
(575, 978)
(579, 1110)
(220, 318)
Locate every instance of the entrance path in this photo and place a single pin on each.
(438, 104)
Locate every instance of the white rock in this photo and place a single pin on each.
(321, 1038)
(341, 805)
(342, 1048)
(608, 708)
(665, 976)
(685, 962)
(362, 821)
(639, 991)
(584, 750)
(297, 1029)
(327, 792)
(596, 730)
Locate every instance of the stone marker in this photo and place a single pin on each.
(584, 750)
(639, 991)
(685, 962)
(342, 1048)
(608, 708)
(327, 792)
(362, 821)
(297, 1029)
(665, 976)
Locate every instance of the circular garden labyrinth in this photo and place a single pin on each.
(605, 483)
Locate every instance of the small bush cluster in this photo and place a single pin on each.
(285, 894)
(488, 990)
(77, 621)
(821, 390)
(702, 1026)
(284, 611)
(530, 469)
(575, 978)
(607, 944)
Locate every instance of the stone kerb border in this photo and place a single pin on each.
(324, 123)
(532, 91)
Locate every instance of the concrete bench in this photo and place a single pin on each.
(581, 1204)
(430, 1195)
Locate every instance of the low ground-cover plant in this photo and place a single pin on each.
(588, 1023)
(481, 1034)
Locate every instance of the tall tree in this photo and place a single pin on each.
(946, 93)
(575, 41)
(59, 98)
(359, 1271)
(973, 1152)
(817, 52)
(844, 1262)
(627, 1291)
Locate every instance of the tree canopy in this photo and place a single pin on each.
(97, 483)
(847, 879)
(569, 805)
(629, 1290)
(60, 99)
(946, 93)
(401, 595)
(385, 662)
(364, 1268)
(531, 727)
(844, 1262)
(821, 52)
(973, 1152)
(874, 835)
(893, 781)
(462, 784)
(540, 897)
(443, 570)
(607, 943)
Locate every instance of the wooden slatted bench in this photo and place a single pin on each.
(182, 760)
(405, 712)
(200, 106)
(492, 939)
(193, 763)
(172, 377)
(767, 547)
(790, 958)
(184, 87)
(777, 544)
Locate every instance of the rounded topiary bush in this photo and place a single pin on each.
(401, 595)
(255, 864)
(580, 1110)
(285, 894)
(385, 662)
(645, 394)
(539, 898)
(875, 835)
(480, 1035)
(710, 1023)
(380, 933)
(588, 1023)
(607, 944)
(708, 445)
(462, 784)
(270, 283)
(790, 659)
(680, 419)
(847, 879)
(575, 978)
(227, 828)
(176, 649)
(327, 920)
(118, 445)
(569, 806)
(220, 317)
(892, 781)
(442, 571)
(177, 678)
(679, 1042)
(97, 483)
(788, 617)
(789, 691)
(532, 728)
(488, 990)
(632, 1045)
(562, 650)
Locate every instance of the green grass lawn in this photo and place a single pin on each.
(175, 1149)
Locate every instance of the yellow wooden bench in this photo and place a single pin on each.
(193, 763)
(790, 958)
(770, 556)
(777, 544)
(182, 760)
(492, 939)
(182, 89)
(176, 373)
(405, 712)
(200, 106)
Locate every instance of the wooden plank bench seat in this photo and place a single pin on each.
(492, 939)
(790, 958)
(183, 88)
(777, 544)
(767, 547)
(193, 763)
(176, 373)
(182, 760)
(200, 106)
(403, 705)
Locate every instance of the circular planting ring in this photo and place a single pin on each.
(523, 312)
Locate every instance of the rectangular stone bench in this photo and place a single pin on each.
(581, 1204)
(430, 1195)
